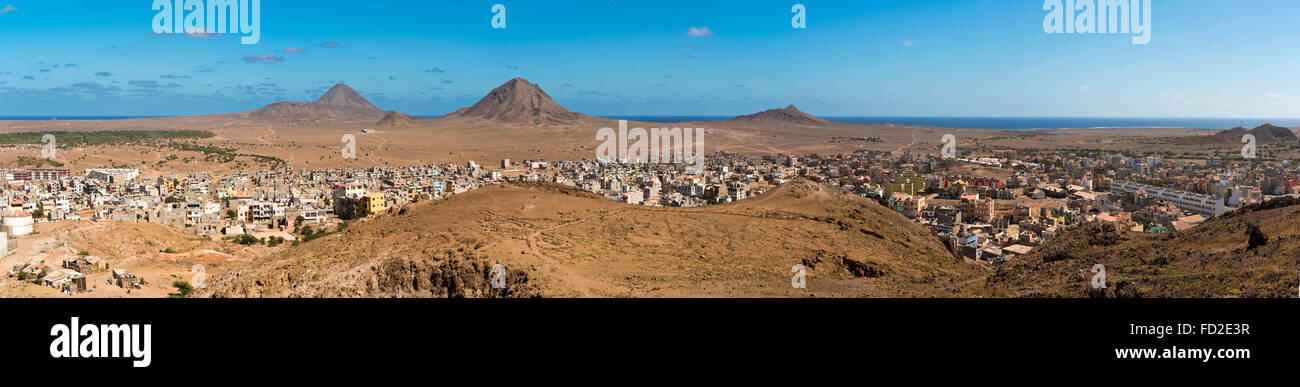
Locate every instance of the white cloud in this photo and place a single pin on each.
(264, 58)
(907, 43)
(8, 8)
(699, 31)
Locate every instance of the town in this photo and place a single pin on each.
(989, 208)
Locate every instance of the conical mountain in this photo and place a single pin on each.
(343, 96)
(340, 103)
(786, 115)
(518, 102)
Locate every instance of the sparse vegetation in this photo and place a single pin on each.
(106, 137)
(247, 240)
(183, 289)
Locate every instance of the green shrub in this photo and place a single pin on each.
(183, 289)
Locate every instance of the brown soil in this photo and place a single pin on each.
(1254, 252)
(558, 241)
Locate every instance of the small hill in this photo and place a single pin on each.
(340, 103)
(518, 102)
(559, 241)
(786, 115)
(1247, 253)
(393, 118)
(1264, 134)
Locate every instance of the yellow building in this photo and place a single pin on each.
(907, 185)
(370, 204)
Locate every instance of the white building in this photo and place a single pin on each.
(1203, 204)
(112, 175)
(4, 244)
(17, 223)
(633, 196)
(261, 211)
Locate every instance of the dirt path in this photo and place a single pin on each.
(565, 273)
(378, 148)
(903, 148)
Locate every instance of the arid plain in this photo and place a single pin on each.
(559, 241)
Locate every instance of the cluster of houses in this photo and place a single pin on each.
(727, 178)
(996, 218)
(67, 273)
(1034, 197)
(242, 203)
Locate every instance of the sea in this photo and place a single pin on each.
(47, 118)
(1024, 123)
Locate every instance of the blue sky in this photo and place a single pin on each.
(632, 57)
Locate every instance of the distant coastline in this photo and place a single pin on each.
(1023, 123)
(71, 118)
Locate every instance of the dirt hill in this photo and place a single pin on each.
(786, 115)
(518, 102)
(340, 103)
(1249, 253)
(1264, 134)
(558, 241)
(393, 118)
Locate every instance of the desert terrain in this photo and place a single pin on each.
(458, 140)
(310, 136)
(559, 241)
(159, 254)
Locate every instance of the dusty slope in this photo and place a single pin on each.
(560, 241)
(1215, 259)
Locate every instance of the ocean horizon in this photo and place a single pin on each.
(1023, 123)
(71, 118)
